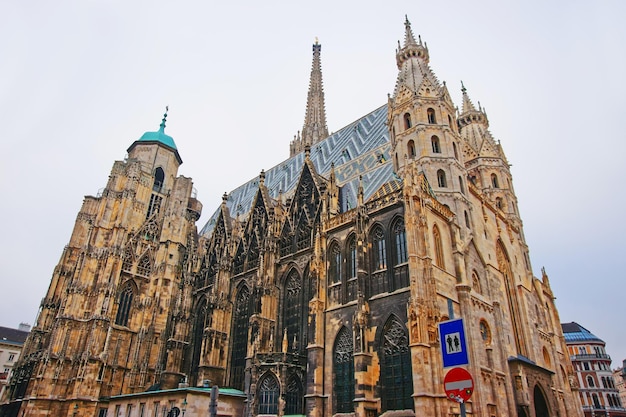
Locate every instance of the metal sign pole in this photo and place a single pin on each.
(463, 409)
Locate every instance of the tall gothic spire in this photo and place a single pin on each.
(412, 59)
(314, 129)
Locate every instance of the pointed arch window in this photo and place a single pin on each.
(431, 116)
(202, 321)
(144, 266)
(159, 179)
(396, 371)
(461, 185)
(334, 270)
(411, 149)
(456, 152)
(476, 283)
(467, 220)
(268, 395)
(239, 335)
(438, 247)
(253, 254)
(294, 397)
(494, 181)
(436, 144)
(127, 263)
(407, 121)
(441, 179)
(400, 238)
(343, 372)
(351, 289)
(293, 310)
(499, 203)
(304, 236)
(401, 268)
(240, 257)
(379, 247)
(125, 302)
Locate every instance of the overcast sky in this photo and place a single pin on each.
(80, 81)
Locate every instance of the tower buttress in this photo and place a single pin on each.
(314, 129)
(488, 168)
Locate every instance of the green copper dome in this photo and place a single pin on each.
(159, 136)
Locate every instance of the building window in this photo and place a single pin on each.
(438, 247)
(467, 221)
(461, 185)
(144, 266)
(590, 382)
(485, 332)
(351, 289)
(293, 397)
(11, 358)
(400, 234)
(436, 144)
(159, 178)
(407, 121)
(395, 370)
(240, 337)
(476, 283)
(268, 395)
(125, 301)
(334, 269)
(154, 206)
(379, 249)
(343, 372)
(494, 181)
(499, 203)
(352, 265)
(293, 309)
(456, 152)
(431, 116)
(411, 149)
(441, 179)
(157, 406)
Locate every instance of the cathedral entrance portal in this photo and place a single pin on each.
(541, 406)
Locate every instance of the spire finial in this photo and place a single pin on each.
(167, 108)
(463, 89)
(317, 42)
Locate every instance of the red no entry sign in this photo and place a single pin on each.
(458, 385)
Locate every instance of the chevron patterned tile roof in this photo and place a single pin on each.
(360, 149)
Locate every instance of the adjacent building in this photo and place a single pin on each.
(11, 342)
(599, 392)
(619, 376)
(315, 288)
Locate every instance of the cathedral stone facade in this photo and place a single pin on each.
(316, 288)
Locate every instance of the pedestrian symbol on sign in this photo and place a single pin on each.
(453, 343)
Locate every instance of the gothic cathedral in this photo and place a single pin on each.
(314, 289)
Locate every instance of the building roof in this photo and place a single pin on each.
(575, 333)
(13, 336)
(159, 137)
(359, 150)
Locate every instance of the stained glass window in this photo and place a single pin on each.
(123, 308)
(293, 309)
(268, 395)
(240, 338)
(294, 396)
(395, 370)
(379, 247)
(343, 372)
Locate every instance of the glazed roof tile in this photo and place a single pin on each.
(361, 149)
